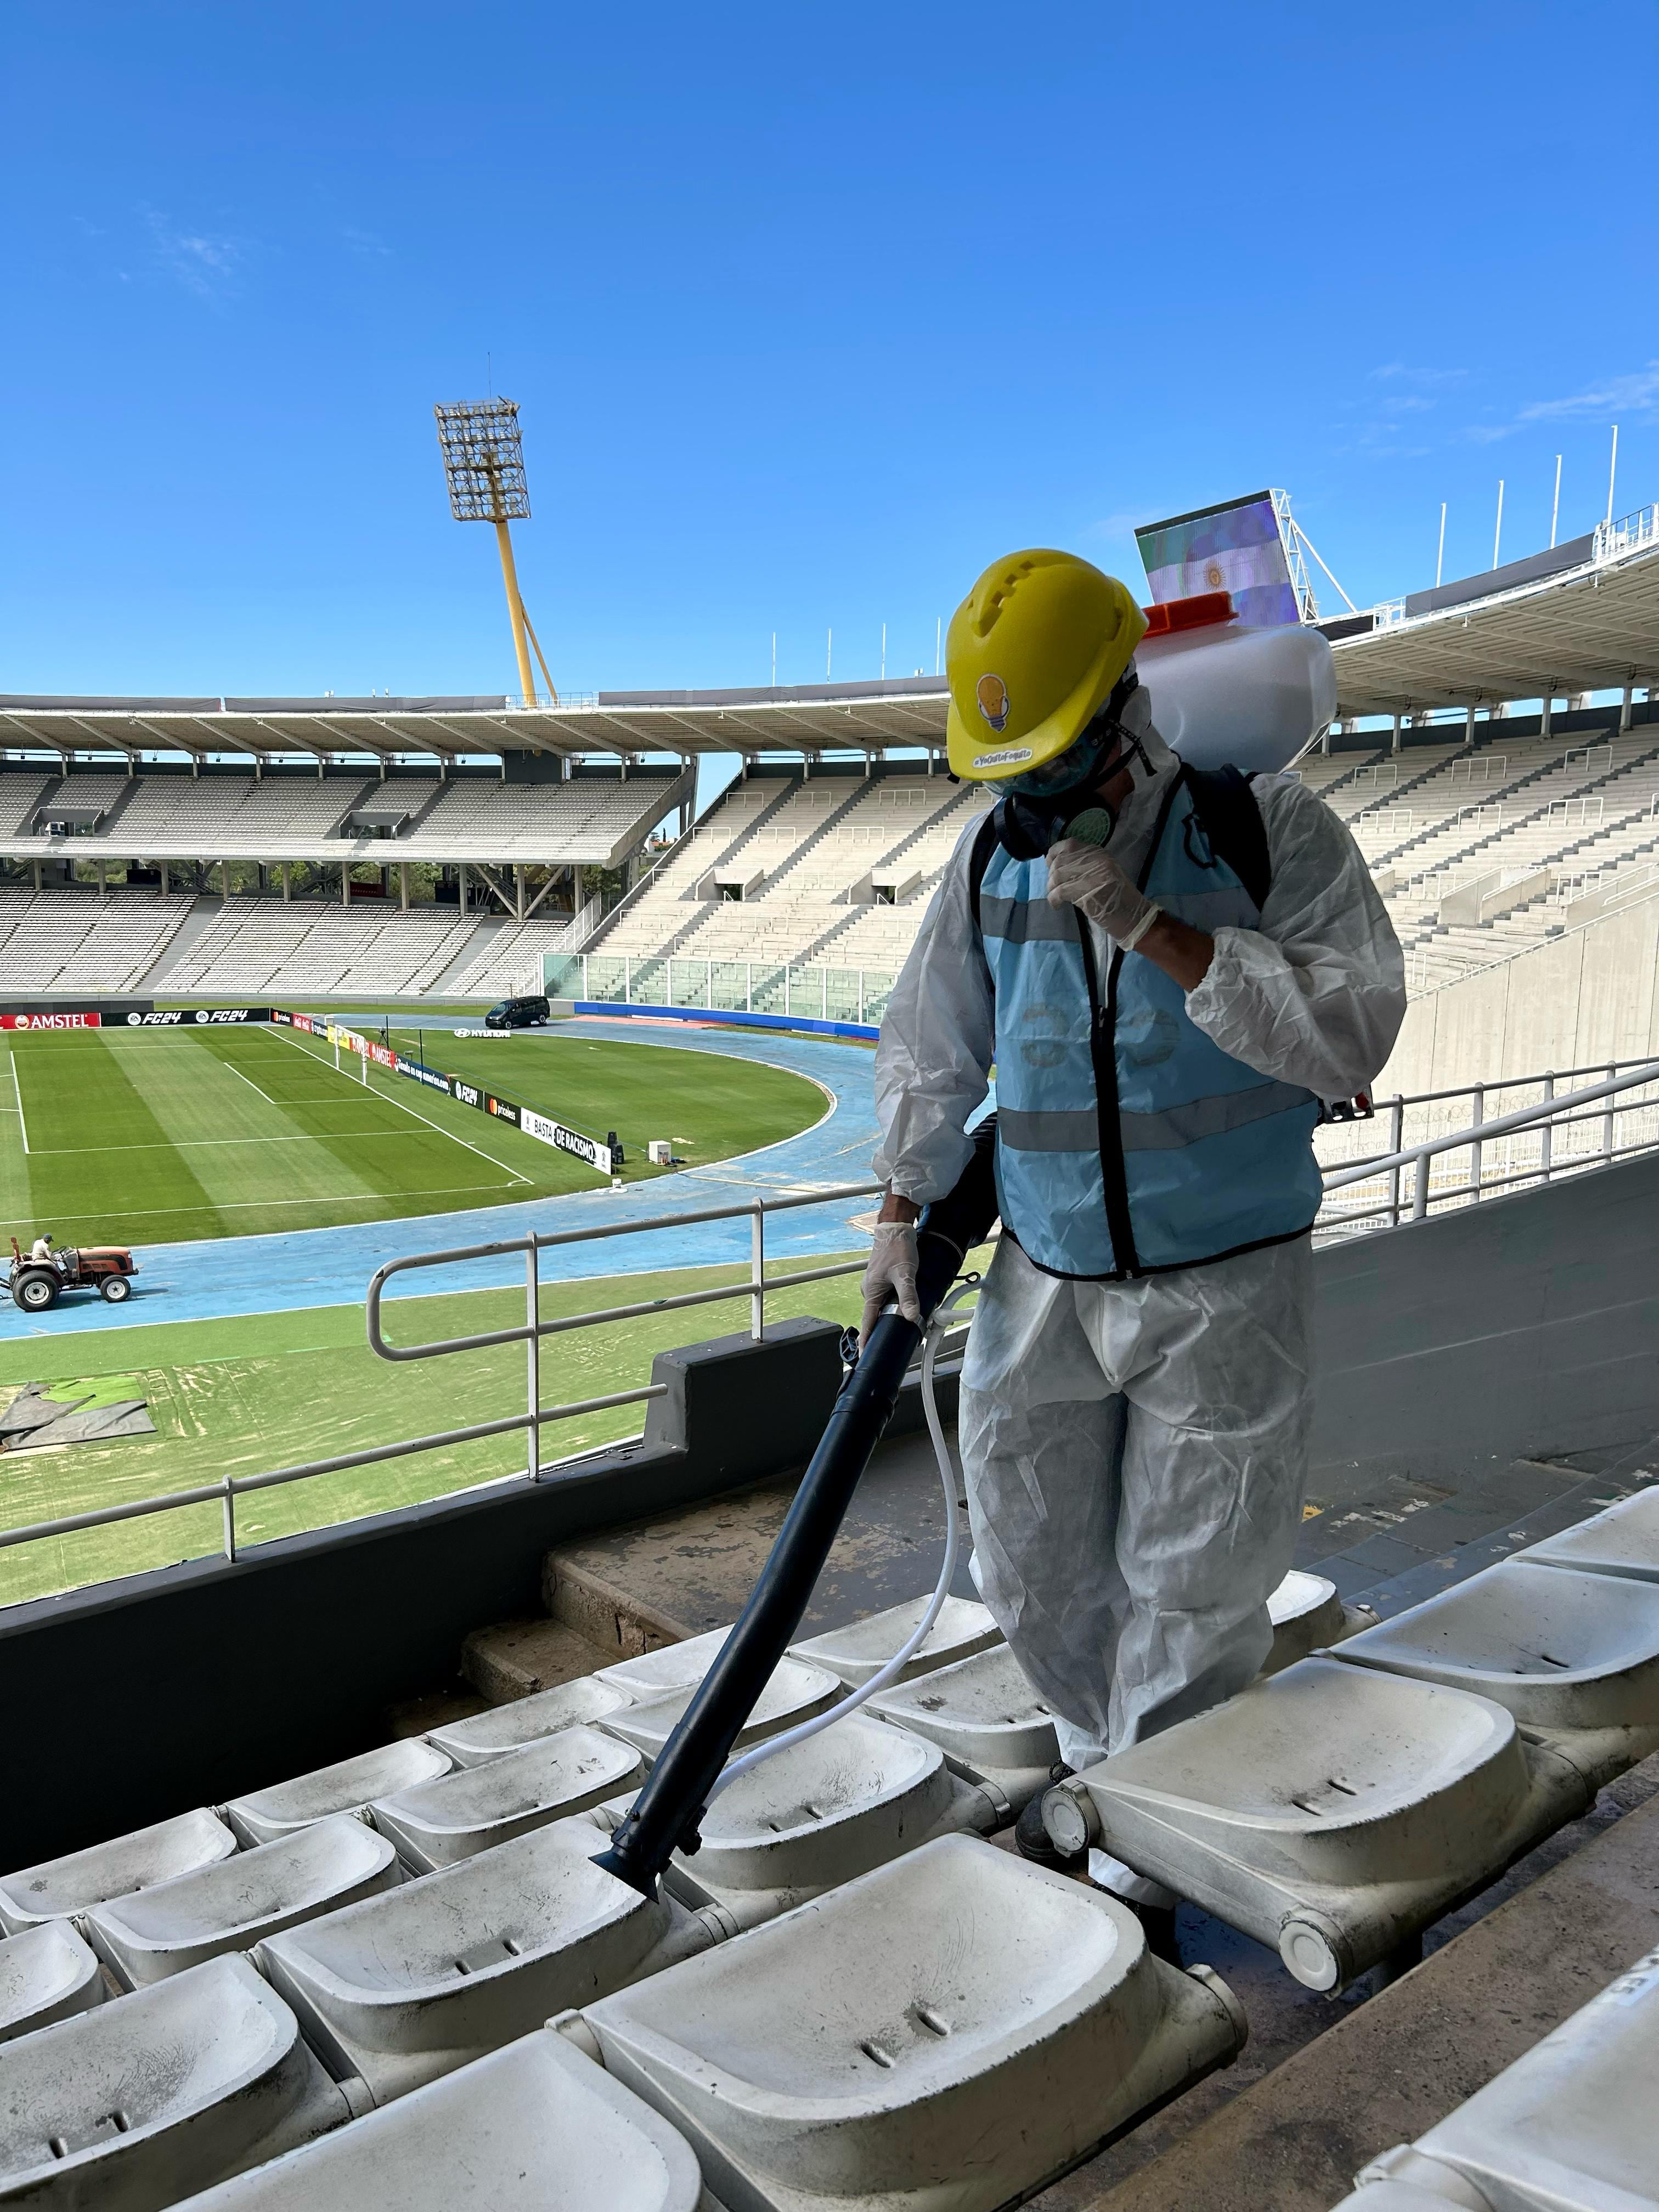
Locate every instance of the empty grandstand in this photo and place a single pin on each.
(451, 837)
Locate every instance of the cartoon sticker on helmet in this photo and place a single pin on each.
(993, 701)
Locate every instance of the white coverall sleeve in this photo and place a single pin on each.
(937, 1039)
(1315, 996)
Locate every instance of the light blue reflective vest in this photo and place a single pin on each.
(1126, 1141)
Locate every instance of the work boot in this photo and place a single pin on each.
(1031, 1838)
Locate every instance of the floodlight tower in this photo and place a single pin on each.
(484, 468)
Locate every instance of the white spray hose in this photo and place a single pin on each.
(895, 1665)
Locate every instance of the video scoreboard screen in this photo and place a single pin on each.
(1237, 547)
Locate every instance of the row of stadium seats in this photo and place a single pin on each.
(75, 941)
(239, 817)
(263, 948)
(799, 2004)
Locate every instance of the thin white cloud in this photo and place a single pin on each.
(1635, 394)
(1400, 373)
(205, 264)
(366, 243)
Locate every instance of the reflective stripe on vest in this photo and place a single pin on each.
(1127, 1141)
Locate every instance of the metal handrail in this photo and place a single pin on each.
(1547, 1115)
(1548, 1110)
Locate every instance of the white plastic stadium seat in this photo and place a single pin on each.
(854, 1653)
(437, 1824)
(1622, 1540)
(1570, 2127)
(954, 2029)
(129, 2106)
(347, 1787)
(1307, 1615)
(1575, 1658)
(793, 1693)
(986, 1719)
(534, 2127)
(670, 1667)
(228, 1907)
(46, 1974)
(1331, 1810)
(409, 1985)
(848, 1799)
(526, 1720)
(59, 1887)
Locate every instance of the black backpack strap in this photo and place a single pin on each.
(1231, 820)
(985, 843)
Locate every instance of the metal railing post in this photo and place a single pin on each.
(1546, 1129)
(1607, 1114)
(1396, 1142)
(1476, 1118)
(533, 1356)
(748, 986)
(1420, 1192)
(230, 1519)
(757, 1271)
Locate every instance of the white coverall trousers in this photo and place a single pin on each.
(1136, 1455)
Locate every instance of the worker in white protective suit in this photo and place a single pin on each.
(1166, 993)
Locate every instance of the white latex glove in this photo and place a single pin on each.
(1088, 878)
(891, 1273)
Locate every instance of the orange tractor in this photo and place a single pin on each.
(37, 1285)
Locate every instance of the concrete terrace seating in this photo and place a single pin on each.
(1332, 1810)
(134, 2105)
(846, 2053)
(1567, 2128)
(416, 1983)
(46, 1974)
(294, 951)
(536, 2127)
(74, 940)
(228, 1907)
(437, 1824)
(61, 1887)
(346, 1787)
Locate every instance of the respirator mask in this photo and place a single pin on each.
(1059, 800)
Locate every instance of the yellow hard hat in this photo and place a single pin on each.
(1032, 655)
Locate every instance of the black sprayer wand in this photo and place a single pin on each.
(667, 1814)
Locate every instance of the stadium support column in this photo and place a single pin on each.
(164, 879)
(517, 890)
(345, 882)
(288, 879)
(1624, 709)
(403, 886)
(461, 887)
(1393, 742)
(1469, 727)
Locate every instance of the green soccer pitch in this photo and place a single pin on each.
(126, 1136)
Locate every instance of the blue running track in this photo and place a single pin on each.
(213, 1280)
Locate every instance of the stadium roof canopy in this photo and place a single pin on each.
(1583, 616)
(898, 715)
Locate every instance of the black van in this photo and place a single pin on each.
(517, 1013)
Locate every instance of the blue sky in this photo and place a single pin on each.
(810, 311)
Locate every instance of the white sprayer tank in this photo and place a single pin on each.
(1221, 693)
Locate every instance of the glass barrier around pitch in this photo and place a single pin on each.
(753, 987)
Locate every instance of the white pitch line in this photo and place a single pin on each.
(394, 1100)
(251, 1084)
(252, 1205)
(200, 1144)
(23, 1127)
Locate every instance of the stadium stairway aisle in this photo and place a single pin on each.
(211, 1281)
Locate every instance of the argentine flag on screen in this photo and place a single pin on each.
(1233, 548)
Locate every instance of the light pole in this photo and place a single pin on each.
(484, 468)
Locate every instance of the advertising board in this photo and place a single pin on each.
(1236, 547)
